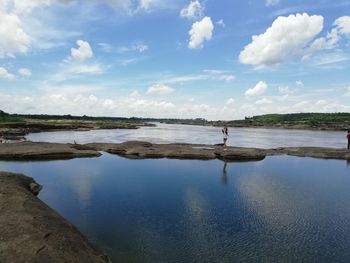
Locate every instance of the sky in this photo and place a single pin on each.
(219, 60)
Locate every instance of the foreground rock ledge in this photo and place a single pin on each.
(32, 232)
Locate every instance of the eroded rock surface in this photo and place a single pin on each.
(33, 232)
(44, 151)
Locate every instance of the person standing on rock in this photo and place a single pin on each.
(225, 135)
(348, 137)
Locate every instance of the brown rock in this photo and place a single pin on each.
(33, 232)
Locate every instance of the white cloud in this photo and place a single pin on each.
(230, 101)
(140, 47)
(79, 63)
(4, 74)
(343, 25)
(14, 39)
(263, 101)
(146, 4)
(299, 83)
(160, 89)
(271, 2)
(221, 23)
(201, 31)
(258, 89)
(193, 11)
(120, 4)
(27, 6)
(94, 69)
(208, 74)
(135, 94)
(285, 90)
(83, 52)
(321, 103)
(24, 72)
(348, 92)
(286, 38)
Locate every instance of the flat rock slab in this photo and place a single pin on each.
(33, 232)
(44, 151)
(315, 152)
(145, 150)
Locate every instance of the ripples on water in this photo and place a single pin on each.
(282, 209)
(170, 133)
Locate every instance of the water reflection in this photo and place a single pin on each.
(224, 173)
(284, 209)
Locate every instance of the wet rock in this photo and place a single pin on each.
(35, 188)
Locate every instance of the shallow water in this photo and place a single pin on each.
(170, 133)
(282, 209)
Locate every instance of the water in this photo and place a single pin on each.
(282, 209)
(170, 133)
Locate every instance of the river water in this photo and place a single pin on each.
(281, 209)
(171, 133)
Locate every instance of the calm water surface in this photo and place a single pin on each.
(282, 209)
(170, 133)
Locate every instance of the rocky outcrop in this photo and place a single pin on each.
(144, 150)
(315, 152)
(44, 151)
(33, 232)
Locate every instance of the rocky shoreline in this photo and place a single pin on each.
(33, 232)
(143, 150)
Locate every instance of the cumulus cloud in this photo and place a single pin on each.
(24, 72)
(160, 89)
(257, 90)
(4, 74)
(201, 31)
(194, 10)
(221, 23)
(271, 2)
(13, 37)
(83, 52)
(79, 62)
(299, 83)
(230, 101)
(285, 90)
(343, 25)
(263, 101)
(286, 37)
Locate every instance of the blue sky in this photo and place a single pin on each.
(174, 58)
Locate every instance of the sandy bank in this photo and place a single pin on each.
(33, 232)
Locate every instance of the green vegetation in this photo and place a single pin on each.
(317, 121)
(5, 118)
(36, 123)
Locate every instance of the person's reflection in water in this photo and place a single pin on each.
(348, 162)
(224, 173)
